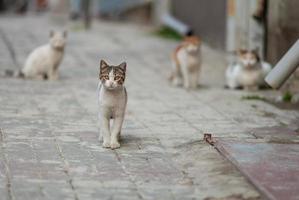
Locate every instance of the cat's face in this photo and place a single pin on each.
(58, 39)
(192, 44)
(112, 77)
(248, 58)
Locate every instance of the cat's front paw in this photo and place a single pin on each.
(114, 145)
(106, 144)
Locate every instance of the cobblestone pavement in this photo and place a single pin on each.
(49, 146)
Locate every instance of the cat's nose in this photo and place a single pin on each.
(114, 84)
(110, 83)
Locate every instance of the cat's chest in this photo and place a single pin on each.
(112, 99)
(249, 77)
(188, 59)
(56, 56)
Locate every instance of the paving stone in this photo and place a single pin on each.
(272, 167)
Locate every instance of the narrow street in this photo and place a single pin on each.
(49, 146)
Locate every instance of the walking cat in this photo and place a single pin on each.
(112, 99)
(249, 71)
(43, 62)
(186, 63)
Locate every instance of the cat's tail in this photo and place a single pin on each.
(13, 73)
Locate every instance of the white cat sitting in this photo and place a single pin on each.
(112, 99)
(248, 72)
(43, 62)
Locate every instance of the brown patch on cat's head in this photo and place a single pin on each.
(248, 58)
(192, 40)
(243, 53)
(191, 44)
(256, 53)
(120, 73)
(104, 71)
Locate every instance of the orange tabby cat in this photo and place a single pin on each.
(186, 63)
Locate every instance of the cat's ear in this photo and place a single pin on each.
(123, 66)
(51, 33)
(256, 52)
(241, 51)
(103, 64)
(64, 33)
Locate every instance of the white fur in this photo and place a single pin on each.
(187, 69)
(45, 60)
(112, 100)
(239, 76)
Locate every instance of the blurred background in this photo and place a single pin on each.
(228, 25)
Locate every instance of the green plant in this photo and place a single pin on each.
(287, 97)
(168, 33)
(253, 97)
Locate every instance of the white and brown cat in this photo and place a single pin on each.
(112, 100)
(43, 62)
(248, 72)
(186, 61)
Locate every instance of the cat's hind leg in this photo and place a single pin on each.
(32, 74)
(176, 76)
(177, 81)
(194, 79)
(53, 75)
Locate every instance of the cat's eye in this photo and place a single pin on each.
(105, 77)
(117, 78)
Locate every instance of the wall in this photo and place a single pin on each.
(283, 18)
(283, 27)
(243, 31)
(207, 17)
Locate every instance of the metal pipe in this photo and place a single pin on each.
(284, 68)
(177, 25)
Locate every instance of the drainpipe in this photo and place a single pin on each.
(162, 16)
(176, 24)
(284, 68)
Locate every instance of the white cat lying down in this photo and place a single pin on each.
(249, 72)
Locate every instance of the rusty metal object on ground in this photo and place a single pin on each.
(208, 138)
